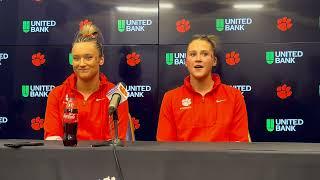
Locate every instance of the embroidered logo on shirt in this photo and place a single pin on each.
(186, 102)
(100, 99)
(220, 100)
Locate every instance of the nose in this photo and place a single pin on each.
(82, 62)
(198, 58)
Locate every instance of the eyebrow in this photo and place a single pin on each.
(205, 51)
(202, 51)
(83, 55)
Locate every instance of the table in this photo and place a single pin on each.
(162, 161)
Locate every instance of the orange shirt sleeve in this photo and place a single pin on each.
(52, 122)
(239, 129)
(166, 127)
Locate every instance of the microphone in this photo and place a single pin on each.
(117, 95)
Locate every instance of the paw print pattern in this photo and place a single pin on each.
(183, 25)
(133, 59)
(284, 91)
(136, 123)
(37, 123)
(284, 24)
(232, 58)
(38, 59)
(186, 102)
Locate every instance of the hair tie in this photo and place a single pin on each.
(89, 35)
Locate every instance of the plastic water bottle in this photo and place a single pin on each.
(70, 123)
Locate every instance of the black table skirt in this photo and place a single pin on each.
(162, 161)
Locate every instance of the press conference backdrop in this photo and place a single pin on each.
(270, 52)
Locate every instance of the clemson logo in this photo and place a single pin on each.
(38, 59)
(284, 24)
(183, 25)
(186, 102)
(284, 91)
(133, 59)
(37, 123)
(232, 58)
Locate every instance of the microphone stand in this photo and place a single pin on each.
(116, 141)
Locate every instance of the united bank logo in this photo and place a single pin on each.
(3, 120)
(233, 24)
(70, 59)
(183, 25)
(3, 56)
(283, 125)
(284, 24)
(283, 57)
(243, 88)
(36, 90)
(138, 91)
(176, 58)
(232, 58)
(38, 59)
(133, 25)
(37, 26)
(133, 59)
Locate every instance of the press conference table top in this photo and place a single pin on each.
(153, 160)
(257, 147)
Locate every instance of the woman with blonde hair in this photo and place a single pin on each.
(88, 87)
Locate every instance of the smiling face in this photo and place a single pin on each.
(200, 59)
(86, 60)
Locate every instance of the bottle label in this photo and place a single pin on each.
(70, 117)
